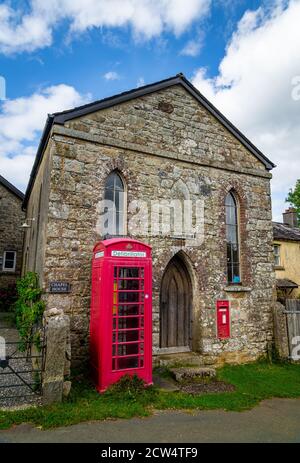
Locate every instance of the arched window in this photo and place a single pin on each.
(232, 238)
(114, 205)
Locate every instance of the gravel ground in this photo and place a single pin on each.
(207, 387)
(15, 397)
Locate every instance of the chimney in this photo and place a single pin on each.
(290, 218)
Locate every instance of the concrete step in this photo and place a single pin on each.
(186, 359)
(190, 373)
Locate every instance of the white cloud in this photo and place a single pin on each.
(140, 82)
(28, 34)
(254, 88)
(193, 47)
(21, 122)
(146, 18)
(111, 75)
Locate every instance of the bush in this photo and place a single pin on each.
(131, 388)
(8, 297)
(29, 310)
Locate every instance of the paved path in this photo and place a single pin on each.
(275, 420)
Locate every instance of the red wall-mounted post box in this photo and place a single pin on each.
(121, 312)
(223, 319)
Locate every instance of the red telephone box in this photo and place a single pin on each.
(223, 319)
(121, 312)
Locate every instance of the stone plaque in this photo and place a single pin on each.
(60, 287)
(166, 107)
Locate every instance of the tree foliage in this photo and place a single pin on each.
(294, 198)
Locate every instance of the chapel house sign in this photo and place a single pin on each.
(60, 287)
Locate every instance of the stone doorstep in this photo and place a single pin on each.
(189, 359)
(181, 374)
(165, 384)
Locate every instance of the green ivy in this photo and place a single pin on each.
(29, 311)
(294, 198)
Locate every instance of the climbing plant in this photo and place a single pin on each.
(29, 310)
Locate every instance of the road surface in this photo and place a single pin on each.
(276, 420)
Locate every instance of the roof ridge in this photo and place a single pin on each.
(116, 95)
(11, 187)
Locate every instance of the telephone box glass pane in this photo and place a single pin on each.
(128, 323)
(129, 272)
(131, 285)
(131, 297)
(128, 336)
(127, 349)
(130, 362)
(129, 310)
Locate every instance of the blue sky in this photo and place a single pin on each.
(84, 62)
(54, 55)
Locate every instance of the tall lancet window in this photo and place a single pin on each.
(114, 223)
(232, 238)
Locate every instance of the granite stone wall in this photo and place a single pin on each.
(11, 235)
(163, 155)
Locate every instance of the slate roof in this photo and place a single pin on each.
(283, 232)
(11, 188)
(179, 79)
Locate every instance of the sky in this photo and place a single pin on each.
(243, 55)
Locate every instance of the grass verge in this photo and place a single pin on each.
(254, 383)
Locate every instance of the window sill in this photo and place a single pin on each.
(237, 289)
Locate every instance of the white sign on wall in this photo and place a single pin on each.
(99, 254)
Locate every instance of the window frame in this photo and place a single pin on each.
(121, 212)
(4, 268)
(277, 246)
(230, 281)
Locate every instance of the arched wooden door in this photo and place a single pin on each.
(175, 306)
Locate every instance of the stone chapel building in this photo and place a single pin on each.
(162, 142)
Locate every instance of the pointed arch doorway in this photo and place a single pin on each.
(176, 307)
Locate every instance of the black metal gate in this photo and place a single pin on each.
(20, 372)
(292, 314)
